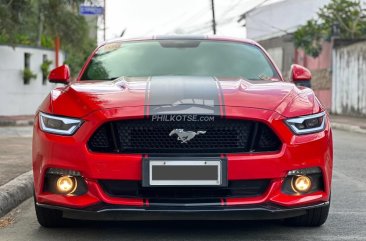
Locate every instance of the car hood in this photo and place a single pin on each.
(182, 94)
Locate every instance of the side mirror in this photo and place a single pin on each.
(60, 75)
(300, 75)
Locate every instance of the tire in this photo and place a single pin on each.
(313, 218)
(49, 218)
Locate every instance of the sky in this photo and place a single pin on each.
(150, 17)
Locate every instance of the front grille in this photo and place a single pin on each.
(221, 136)
(134, 189)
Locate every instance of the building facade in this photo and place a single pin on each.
(23, 84)
(272, 26)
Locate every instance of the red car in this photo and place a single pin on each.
(182, 128)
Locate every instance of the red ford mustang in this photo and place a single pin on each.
(182, 128)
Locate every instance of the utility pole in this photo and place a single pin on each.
(104, 18)
(213, 17)
(123, 32)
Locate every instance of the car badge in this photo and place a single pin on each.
(185, 136)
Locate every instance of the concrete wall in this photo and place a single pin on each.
(17, 98)
(272, 26)
(349, 79)
(321, 70)
(320, 67)
(287, 49)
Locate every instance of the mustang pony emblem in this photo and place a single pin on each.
(185, 136)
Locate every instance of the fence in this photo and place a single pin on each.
(349, 79)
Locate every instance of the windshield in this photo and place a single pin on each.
(179, 57)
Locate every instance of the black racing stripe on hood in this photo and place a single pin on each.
(183, 95)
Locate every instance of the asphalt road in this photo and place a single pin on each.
(347, 219)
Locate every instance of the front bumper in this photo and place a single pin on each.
(52, 151)
(243, 212)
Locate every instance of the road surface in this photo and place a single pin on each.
(347, 219)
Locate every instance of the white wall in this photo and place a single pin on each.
(279, 18)
(16, 98)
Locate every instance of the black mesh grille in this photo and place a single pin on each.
(268, 138)
(101, 139)
(221, 136)
(133, 189)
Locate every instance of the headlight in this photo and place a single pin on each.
(307, 124)
(58, 125)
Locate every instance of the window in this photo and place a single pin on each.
(26, 71)
(44, 68)
(179, 57)
(27, 60)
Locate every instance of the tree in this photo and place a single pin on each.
(345, 15)
(309, 37)
(14, 24)
(38, 22)
(63, 20)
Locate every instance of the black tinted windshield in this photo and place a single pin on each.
(179, 57)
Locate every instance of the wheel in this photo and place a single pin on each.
(49, 218)
(313, 218)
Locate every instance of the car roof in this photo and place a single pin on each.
(184, 37)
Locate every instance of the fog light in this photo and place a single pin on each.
(66, 184)
(301, 184)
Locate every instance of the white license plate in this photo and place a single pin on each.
(185, 173)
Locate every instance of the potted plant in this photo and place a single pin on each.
(28, 75)
(45, 68)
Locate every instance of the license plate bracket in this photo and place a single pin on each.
(185, 171)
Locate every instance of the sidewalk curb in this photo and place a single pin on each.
(16, 123)
(347, 127)
(15, 192)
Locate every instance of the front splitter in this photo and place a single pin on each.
(248, 212)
